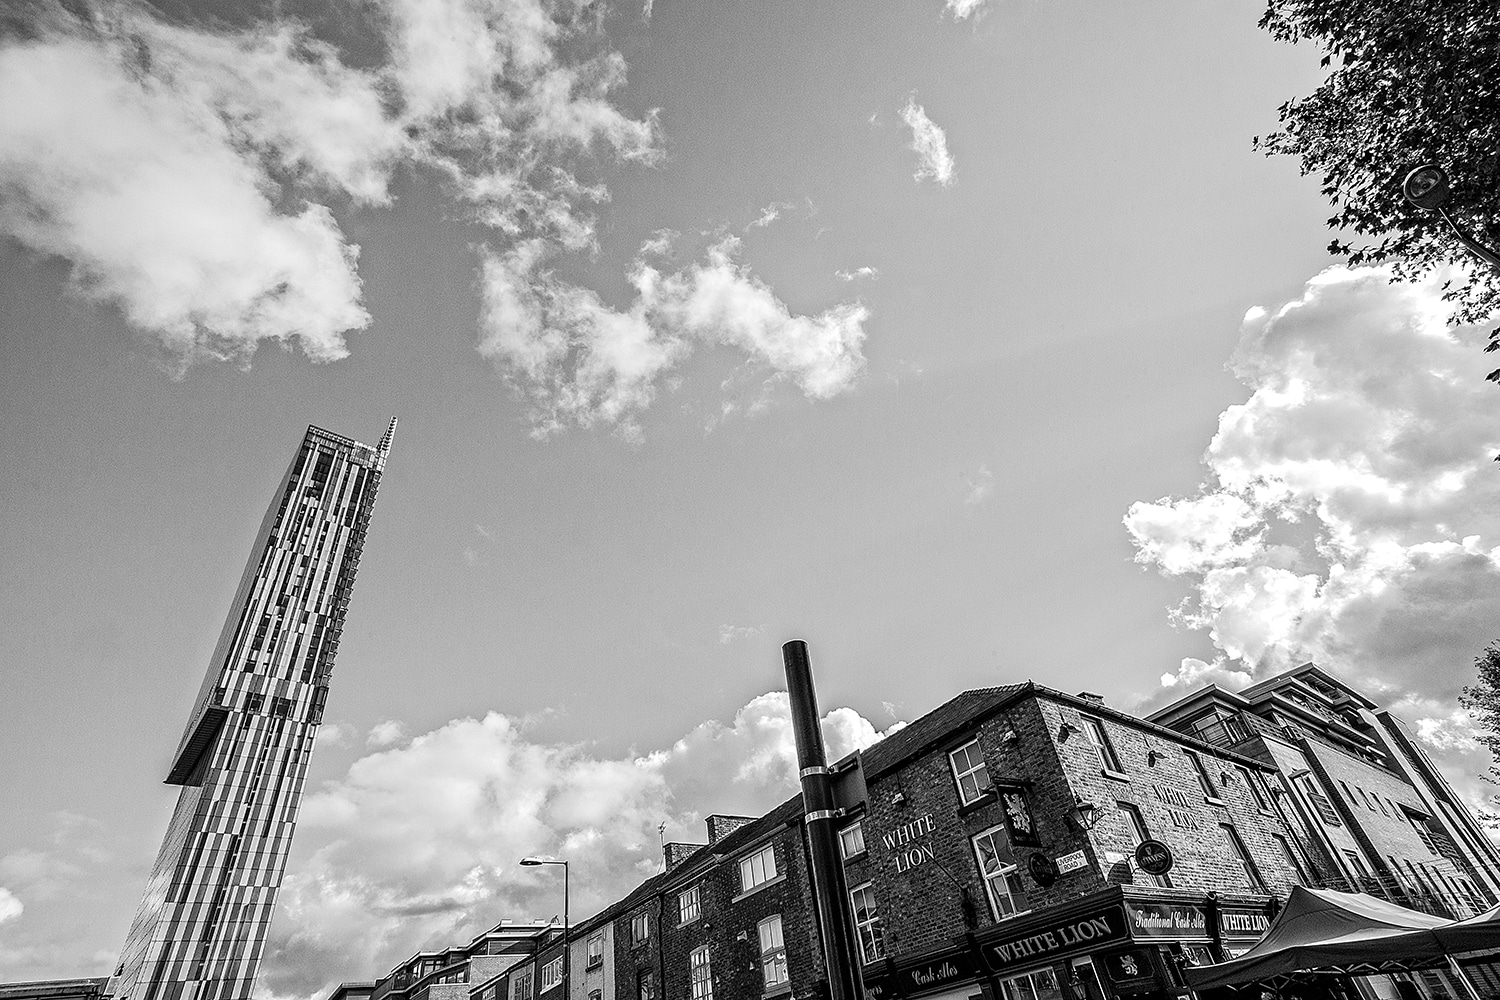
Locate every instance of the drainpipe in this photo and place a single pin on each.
(830, 891)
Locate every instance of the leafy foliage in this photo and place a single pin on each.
(1483, 699)
(1409, 83)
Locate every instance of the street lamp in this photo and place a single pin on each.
(1427, 187)
(531, 862)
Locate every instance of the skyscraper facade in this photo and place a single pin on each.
(201, 927)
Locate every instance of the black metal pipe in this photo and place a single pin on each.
(820, 819)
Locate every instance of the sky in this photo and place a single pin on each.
(970, 342)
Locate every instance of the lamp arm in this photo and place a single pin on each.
(1470, 243)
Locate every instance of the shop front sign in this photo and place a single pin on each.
(1130, 971)
(1150, 919)
(936, 974)
(1055, 940)
(1243, 923)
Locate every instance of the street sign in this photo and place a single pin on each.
(1072, 862)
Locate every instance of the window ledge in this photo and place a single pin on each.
(1114, 775)
(973, 805)
(857, 856)
(1213, 800)
(780, 877)
(778, 991)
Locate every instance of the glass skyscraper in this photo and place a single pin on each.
(201, 927)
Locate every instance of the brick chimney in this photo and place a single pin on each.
(720, 827)
(1097, 699)
(676, 854)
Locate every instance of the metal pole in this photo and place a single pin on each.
(567, 946)
(830, 891)
(1463, 977)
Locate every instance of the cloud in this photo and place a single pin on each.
(335, 734)
(10, 906)
(1352, 510)
(963, 9)
(383, 734)
(186, 174)
(769, 214)
(981, 486)
(858, 272)
(417, 846)
(930, 144)
(584, 363)
(734, 633)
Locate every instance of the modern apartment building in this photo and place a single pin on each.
(1373, 813)
(201, 926)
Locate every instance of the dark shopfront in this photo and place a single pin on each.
(1119, 942)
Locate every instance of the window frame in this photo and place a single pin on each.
(522, 985)
(768, 870)
(1007, 874)
(1255, 881)
(1211, 790)
(869, 932)
(645, 984)
(1104, 749)
(1289, 854)
(700, 974)
(593, 950)
(549, 971)
(640, 928)
(1135, 825)
(773, 963)
(858, 828)
(686, 898)
(1257, 793)
(974, 771)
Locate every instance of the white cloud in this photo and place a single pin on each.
(181, 171)
(585, 363)
(981, 486)
(858, 272)
(769, 214)
(1352, 513)
(384, 734)
(734, 633)
(335, 734)
(10, 906)
(930, 144)
(963, 9)
(417, 846)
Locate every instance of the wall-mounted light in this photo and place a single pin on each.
(899, 799)
(1085, 814)
(1153, 755)
(1065, 730)
(1009, 736)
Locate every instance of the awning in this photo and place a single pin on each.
(1472, 934)
(1324, 929)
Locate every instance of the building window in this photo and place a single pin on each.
(1238, 853)
(552, 974)
(645, 985)
(521, 986)
(867, 923)
(1002, 883)
(595, 951)
(1252, 782)
(852, 840)
(640, 928)
(773, 952)
(1094, 729)
(1326, 812)
(1135, 827)
(758, 869)
(687, 905)
(1205, 780)
(969, 771)
(700, 975)
(596, 995)
(1038, 985)
(1290, 856)
(1348, 793)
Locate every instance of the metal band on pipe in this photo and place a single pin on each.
(821, 814)
(815, 769)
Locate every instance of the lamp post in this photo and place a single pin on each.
(1427, 187)
(531, 862)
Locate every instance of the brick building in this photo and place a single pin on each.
(1371, 811)
(991, 850)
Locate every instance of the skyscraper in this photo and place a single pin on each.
(201, 926)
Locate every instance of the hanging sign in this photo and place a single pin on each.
(1153, 857)
(1043, 869)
